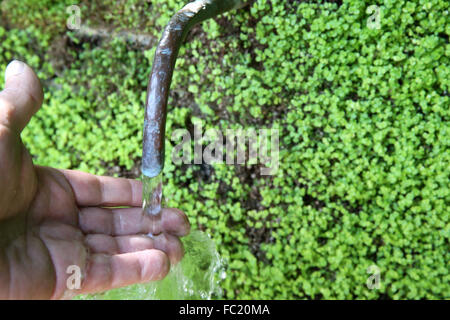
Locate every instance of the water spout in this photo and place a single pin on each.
(161, 76)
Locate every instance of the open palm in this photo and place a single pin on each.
(53, 220)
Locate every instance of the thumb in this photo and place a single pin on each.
(22, 96)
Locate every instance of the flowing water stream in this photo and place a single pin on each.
(197, 276)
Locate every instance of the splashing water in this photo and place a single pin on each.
(197, 276)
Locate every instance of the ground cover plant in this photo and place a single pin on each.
(359, 91)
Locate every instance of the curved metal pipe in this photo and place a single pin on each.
(162, 71)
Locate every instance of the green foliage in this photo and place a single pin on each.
(364, 137)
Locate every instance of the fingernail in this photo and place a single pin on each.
(14, 68)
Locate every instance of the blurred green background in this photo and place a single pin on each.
(363, 114)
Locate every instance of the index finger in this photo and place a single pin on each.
(99, 191)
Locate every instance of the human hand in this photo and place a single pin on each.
(51, 219)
